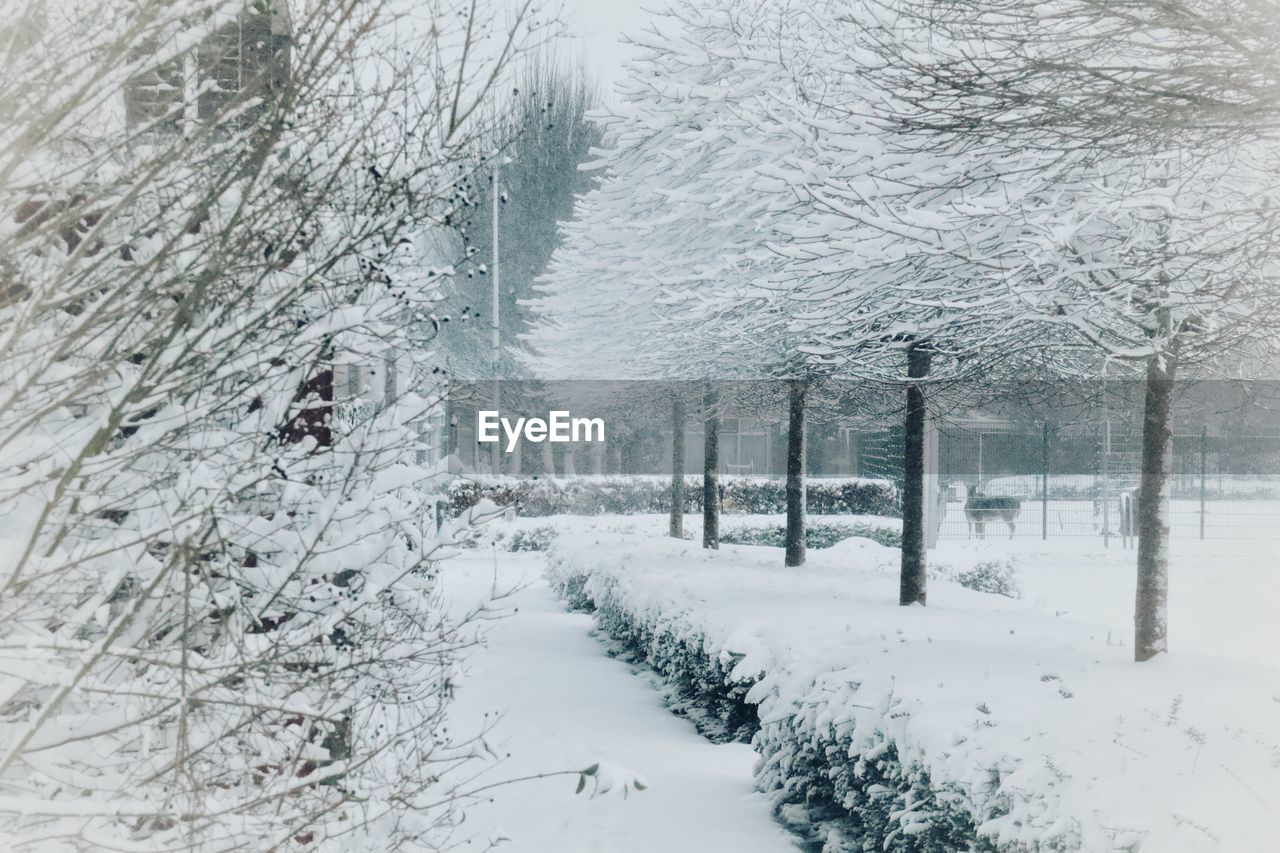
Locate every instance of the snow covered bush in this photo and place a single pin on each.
(703, 688)
(977, 723)
(817, 535)
(823, 496)
(633, 495)
(569, 496)
(997, 577)
(534, 539)
(519, 540)
(978, 566)
(840, 804)
(219, 626)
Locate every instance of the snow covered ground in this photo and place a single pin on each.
(1032, 709)
(1178, 754)
(565, 705)
(1221, 594)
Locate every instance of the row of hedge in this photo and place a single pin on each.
(642, 495)
(817, 535)
(841, 796)
(994, 574)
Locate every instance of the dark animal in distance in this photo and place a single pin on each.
(980, 509)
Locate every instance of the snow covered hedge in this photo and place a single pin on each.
(817, 535)
(976, 723)
(630, 495)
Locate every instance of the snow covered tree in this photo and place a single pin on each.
(849, 278)
(218, 622)
(540, 136)
(676, 239)
(1138, 135)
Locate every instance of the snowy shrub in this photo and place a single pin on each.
(817, 535)
(853, 800)
(824, 496)
(533, 539)
(998, 577)
(571, 496)
(633, 495)
(698, 687)
(980, 567)
(701, 688)
(220, 626)
(516, 541)
(825, 788)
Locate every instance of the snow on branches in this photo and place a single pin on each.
(218, 619)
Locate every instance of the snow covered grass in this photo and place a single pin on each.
(978, 721)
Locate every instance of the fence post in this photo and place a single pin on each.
(1204, 466)
(1104, 458)
(1044, 482)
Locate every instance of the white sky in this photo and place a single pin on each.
(598, 26)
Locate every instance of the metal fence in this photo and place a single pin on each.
(1081, 483)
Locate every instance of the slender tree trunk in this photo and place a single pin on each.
(815, 455)
(710, 469)
(795, 473)
(676, 527)
(597, 458)
(1151, 630)
(548, 460)
(516, 456)
(570, 461)
(913, 580)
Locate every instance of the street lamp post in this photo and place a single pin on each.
(497, 309)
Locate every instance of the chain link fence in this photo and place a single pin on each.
(1011, 480)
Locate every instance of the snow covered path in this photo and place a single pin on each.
(565, 706)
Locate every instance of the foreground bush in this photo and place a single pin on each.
(220, 623)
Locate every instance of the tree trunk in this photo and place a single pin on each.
(548, 460)
(570, 461)
(710, 470)
(795, 473)
(1151, 630)
(913, 580)
(676, 527)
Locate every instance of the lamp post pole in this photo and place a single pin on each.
(497, 309)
